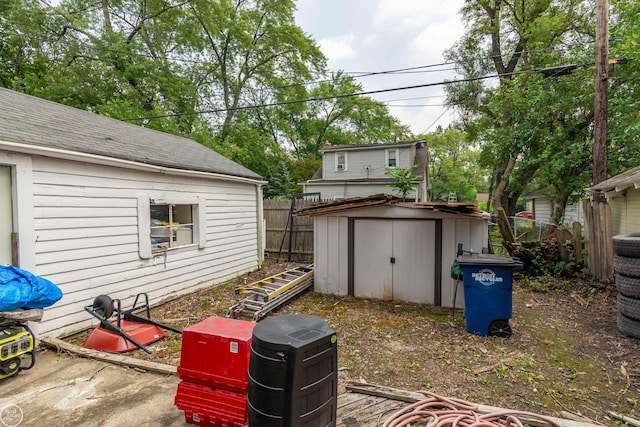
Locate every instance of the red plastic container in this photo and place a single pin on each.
(216, 352)
(210, 407)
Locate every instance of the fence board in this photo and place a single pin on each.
(599, 234)
(276, 214)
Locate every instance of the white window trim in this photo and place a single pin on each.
(386, 157)
(144, 221)
(346, 167)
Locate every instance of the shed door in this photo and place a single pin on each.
(395, 259)
(6, 215)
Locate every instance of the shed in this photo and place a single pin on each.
(623, 196)
(100, 206)
(379, 247)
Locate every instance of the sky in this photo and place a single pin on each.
(383, 35)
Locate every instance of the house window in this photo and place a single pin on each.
(171, 225)
(168, 223)
(341, 161)
(392, 158)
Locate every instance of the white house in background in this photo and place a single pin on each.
(100, 206)
(357, 170)
(540, 203)
(623, 196)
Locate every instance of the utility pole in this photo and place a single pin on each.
(601, 96)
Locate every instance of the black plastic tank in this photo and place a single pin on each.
(293, 375)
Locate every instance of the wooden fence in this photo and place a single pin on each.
(599, 234)
(276, 215)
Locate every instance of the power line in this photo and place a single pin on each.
(434, 122)
(325, 98)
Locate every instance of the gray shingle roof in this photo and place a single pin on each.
(33, 121)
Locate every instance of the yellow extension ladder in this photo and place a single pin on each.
(268, 294)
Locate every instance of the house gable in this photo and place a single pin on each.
(360, 169)
(366, 161)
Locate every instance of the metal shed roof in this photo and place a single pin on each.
(36, 122)
(467, 209)
(618, 183)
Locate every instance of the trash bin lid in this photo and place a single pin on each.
(489, 259)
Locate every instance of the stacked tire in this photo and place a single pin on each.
(626, 261)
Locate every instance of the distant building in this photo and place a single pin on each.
(357, 170)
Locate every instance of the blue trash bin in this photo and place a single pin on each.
(487, 282)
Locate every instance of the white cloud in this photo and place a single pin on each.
(408, 15)
(430, 43)
(370, 39)
(338, 48)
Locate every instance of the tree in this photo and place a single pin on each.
(453, 166)
(511, 120)
(279, 185)
(403, 181)
(251, 46)
(339, 119)
(624, 102)
(195, 68)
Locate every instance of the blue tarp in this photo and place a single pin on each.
(21, 289)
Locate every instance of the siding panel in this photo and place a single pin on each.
(633, 211)
(86, 229)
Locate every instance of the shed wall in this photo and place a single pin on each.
(86, 236)
(573, 212)
(543, 208)
(473, 234)
(331, 260)
(625, 212)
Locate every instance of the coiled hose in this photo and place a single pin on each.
(438, 411)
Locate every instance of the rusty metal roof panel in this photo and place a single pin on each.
(466, 209)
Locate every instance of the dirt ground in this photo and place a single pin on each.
(565, 358)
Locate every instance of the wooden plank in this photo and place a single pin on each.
(360, 408)
(117, 359)
(576, 241)
(564, 252)
(591, 238)
(608, 243)
(15, 249)
(503, 219)
(412, 397)
(377, 415)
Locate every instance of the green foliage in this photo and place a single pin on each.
(403, 181)
(453, 166)
(163, 62)
(532, 130)
(279, 185)
(624, 103)
(302, 170)
(536, 284)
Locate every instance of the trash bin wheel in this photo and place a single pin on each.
(500, 328)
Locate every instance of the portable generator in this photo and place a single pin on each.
(17, 347)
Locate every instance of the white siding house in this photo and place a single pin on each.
(542, 207)
(358, 170)
(392, 251)
(623, 196)
(99, 206)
